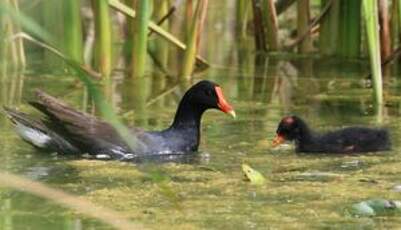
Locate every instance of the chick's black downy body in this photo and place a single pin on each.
(347, 140)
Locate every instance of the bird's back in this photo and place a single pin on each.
(355, 139)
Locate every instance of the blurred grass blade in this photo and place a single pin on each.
(155, 28)
(372, 28)
(106, 110)
(73, 202)
(27, 24)
(85, 76)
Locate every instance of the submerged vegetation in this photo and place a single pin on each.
(148, 52)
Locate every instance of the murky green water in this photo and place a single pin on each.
(302, 191)
(209, 191)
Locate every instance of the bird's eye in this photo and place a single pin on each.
(209, 92)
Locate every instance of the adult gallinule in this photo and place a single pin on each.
(347, 140)
(66, 130)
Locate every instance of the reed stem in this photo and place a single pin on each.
(242, 12)
(161, 48)
(270, 18)
(328, 37)
(303, 16)
(385, 41)
(103, 43)
(260, 39)
(156, 29)
(190, 52)
(73, 30)
(350, 28)
(372, 27)
(140, 38)
(394, 25)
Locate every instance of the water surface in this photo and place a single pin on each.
(310, 191)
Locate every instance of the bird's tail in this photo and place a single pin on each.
(38, 134)
(31, 130)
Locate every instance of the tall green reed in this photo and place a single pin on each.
(385, 40)
(242, 15)
(191, 51)
(303, 16)
(370, 12)
(73, 30)
(140, 40)
(329, 29)
(394, 24)
(271, 21)
(160, 46)
(103, 39)
(398, 3)
(350, 29)
(18, 44)
(157, 29)
(259, 30)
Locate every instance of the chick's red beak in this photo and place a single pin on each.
(222, 103)
(279, 139)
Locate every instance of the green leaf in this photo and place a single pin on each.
(376, 207)
(252, 175)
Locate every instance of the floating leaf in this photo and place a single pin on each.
(252, 175)
(363, 209)
(376, 207)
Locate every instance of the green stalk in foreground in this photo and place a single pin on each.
(73, 30)
(140, 38)
(372, 23)
(80, 205)
(103, 37)
(190, 52)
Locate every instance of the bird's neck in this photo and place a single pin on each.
(188, 116)
(305, 134)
